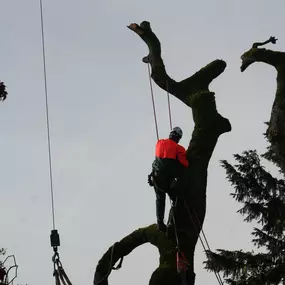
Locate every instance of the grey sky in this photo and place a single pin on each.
(102, 124)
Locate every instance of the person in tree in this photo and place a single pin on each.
(167, 168)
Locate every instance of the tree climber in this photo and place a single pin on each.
(167, 168)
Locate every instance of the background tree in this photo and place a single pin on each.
(262, 195)
(3, 92)
(209, 125)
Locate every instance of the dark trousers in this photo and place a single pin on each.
(162, 186)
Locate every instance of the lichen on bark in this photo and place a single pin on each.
(209, 125)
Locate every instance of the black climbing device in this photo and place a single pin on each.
(58, 271)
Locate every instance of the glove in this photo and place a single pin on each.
(149, 180)
(162, 227)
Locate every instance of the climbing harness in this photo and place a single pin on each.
(182, 263)
(59, 273)
(4, 272)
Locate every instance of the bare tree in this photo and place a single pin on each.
(276, 126)
(209, 125)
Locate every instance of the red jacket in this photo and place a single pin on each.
(167, 148)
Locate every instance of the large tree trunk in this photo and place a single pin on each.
(209, 125)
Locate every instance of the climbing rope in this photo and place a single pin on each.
(169, 108)
(59, 273)
(47, 114)
(153, 103)
(217, 274)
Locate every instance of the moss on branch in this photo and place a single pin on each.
(194, 90)
(149, 234)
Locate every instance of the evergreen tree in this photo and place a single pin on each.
(263, 199)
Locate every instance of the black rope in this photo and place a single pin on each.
(59, 272)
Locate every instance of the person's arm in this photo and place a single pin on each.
(181, 155)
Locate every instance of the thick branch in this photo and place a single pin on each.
(276, 127)
(272, 40)
(159, 73)
(194, 90)
(150, 234)
(185, 89)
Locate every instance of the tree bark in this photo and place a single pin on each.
(276, 126)
(209, 125)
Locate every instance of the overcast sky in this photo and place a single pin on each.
(102, 127)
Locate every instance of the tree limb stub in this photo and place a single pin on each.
(272, 40)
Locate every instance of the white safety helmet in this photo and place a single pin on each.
(176, 131)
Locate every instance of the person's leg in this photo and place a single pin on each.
(160, 207)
